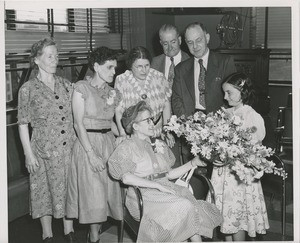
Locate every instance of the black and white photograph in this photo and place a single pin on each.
(130, 121)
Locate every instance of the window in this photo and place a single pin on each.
(274, 33)
(73, 29)
(63, 20)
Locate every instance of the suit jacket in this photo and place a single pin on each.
(158, 62)
(183, 94)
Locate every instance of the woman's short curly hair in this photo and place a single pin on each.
(37, 49)
(100, 55)
(130, 114)
(138, 52)
(243, 83)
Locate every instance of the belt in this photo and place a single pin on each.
(156, 176)
(99, 130)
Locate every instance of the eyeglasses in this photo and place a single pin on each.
(141, 67)
(148, 119)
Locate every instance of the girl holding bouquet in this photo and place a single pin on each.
(242, 205)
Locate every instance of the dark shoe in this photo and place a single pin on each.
(70, 237)
(89, 241)
(48, 240)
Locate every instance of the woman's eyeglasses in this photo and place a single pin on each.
(142, 67)
(151, 119)
(148, 119)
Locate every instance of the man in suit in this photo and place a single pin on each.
(199, 88)
(186, 95)
(170, 41)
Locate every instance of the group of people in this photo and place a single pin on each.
(88, 137)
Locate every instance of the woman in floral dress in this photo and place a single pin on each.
(242, 205)
(45, 103)
(144, 83)
(171, 212)
(92, 194)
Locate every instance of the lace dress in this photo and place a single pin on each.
(242, 206)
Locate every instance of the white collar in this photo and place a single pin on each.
(204, 58)
(177, 59)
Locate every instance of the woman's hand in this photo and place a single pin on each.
(157, 130)
(198, 162)
(96, 162)
(120, 139)
(31, 164)
(169, 138)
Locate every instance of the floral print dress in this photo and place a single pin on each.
(50, 116)
(242, 206)
(92, 196)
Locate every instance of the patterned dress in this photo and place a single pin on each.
(154, 90)
(167, 217)
(92, 196)
(242, 206)
(50, 116)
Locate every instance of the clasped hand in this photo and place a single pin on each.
(96, 162)
(198, 162)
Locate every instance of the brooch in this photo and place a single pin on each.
(144, 96)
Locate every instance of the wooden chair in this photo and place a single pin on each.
(276, 185)
(133, 224)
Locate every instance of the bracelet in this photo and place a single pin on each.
(89, 150)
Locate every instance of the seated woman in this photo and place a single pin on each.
(171, 212)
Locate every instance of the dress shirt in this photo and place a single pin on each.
(177, 59)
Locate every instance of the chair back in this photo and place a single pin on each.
(276, 185)
(132, 223)
(285, 128)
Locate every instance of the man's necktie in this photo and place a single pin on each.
(171, 74)
(201, 84)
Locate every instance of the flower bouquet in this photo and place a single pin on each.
(220, 139)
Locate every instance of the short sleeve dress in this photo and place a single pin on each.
(242, 206)
(167, 217)
(50, 116)
(93, 196)
(154, 90)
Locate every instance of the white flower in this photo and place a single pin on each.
(110, 100)
(112, 93)
(221, 135)
(206, 151)
(204, 133)
(111, 97)
(158, 146)
(259, 174)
